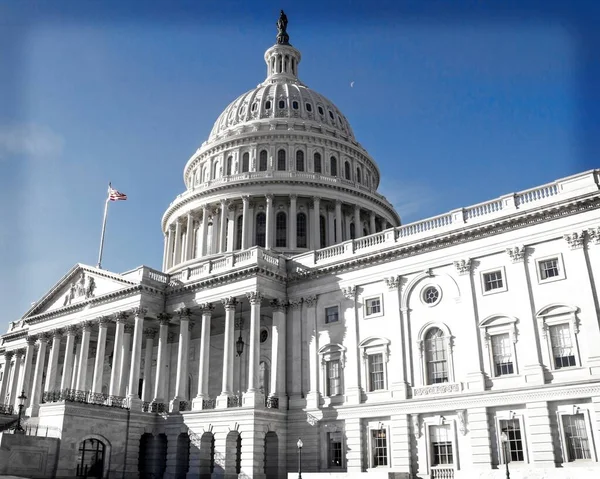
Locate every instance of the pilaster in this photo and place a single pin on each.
(136, 360)
(313, 397)
(351, 370)
(253, 396)
(401, 443)
(476, 422)
(182, 358)
(120, 319)
(397, 372)
(36, 389)
(204, 363)
(541, 433)
(228, 349)
(100, 353)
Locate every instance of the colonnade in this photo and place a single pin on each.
(298, 223)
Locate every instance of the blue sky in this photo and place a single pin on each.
(457, 101)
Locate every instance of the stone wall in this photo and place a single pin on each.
(29, 456)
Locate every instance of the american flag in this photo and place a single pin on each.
(114, 195)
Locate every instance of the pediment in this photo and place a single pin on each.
(79, 285)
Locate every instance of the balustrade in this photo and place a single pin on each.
(6, 409)
(234, 401)
(442, 472)
(84, 397)
(272, 402)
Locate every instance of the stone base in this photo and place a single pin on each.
(400, 391)
(198, 403)
(593, 363)
(313, 400)
(135, 403)
(174, 404)
(533, 374)
(253, 399)
(222, 400)
(475, 381)
(32, 411)
(296, 401)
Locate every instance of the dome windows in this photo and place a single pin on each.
(331, 115)
(281, 166)
(281, 103)
(347, 172)
(295, 105)
(317, 164)
(245, 162)
(268, 105)
(254, 107)
(299, 160)
(229, 165)
(320, 109)
(262, 161)
(333, 166)
(308, 107)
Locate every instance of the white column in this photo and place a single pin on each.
(295, 348)
(15, 373)
(84, 350)
(161, 358)
(338, 222)
(136, 356)
(52, 370)
(165, 250)
(65, 383)
(36, 389)
(330, 226)
(189, 237)
(26, 374)
(231, 228)
(245, 221)
(203, 369)
(312, 336)
(398, 373)
(204, 232)
(358, 230)
(100, 353)
(372, 222)
(292, 222)
(228, 350)
(253, 396)
(316, 226)
(270, 222)
(120, 319)
(76, 349)
(348, 232)
(125, 360)
(214, 247)
(278, 353)
(149, 334)
(177, 254)
(223, 227)
(182, 359)
(8, 355)
(351, 370)
(170, 240)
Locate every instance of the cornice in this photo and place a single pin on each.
(467, 234)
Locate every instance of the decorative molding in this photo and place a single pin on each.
(517, 253)
(594, 234)
(310, 301)
(207, 308)
(82, 288)
(164, 319)
(416, 424)
(462, 420)
(349, 292)
(86, 326)
(9, 355)
(444, 388)
(128, 329)
(254, 297)
(229, 303)
(393, 282)
(463, 266)
(30, 340)
(295, 303)
(139, 311)
(575, 240)
(149, 333)
(121, 316)
(184, 314)
(278, 305)
(103, 321)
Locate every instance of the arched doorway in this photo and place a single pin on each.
(152, 459)
(233, 454)
(207, 455)
(271, 455)
(182, 464)
(90, 462)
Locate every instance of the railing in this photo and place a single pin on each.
(6, 409)
(536, 194)
(424, 226)
(7, 427)
(442, 472)
(42, 431)
(368, 241)
(329, 252)
(234, 401)
(210, 403)
(483, 209)
(85, 397)
(442, 388)
(185, 406)
(272, 402)
(156, 407)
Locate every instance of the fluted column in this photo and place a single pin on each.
(65, 382)
(230, 228)
(278, 353)
(52, 370)
(76, 348)
(120, 319)
(228, 349)
(36, 388)
(223, 227)
(84, 349)
(182, 359)
(270, 221)
(203, 370)
(372, 222)
(169, 255)
(338, 222)
(149, 334)
(8, 355)
(161, 358)
(216, 217)
(27, 366)
(316, 226)
(125, 363)
(136, 355)
(245, 221)
(15, 373)
(189, 237)
(100, 353)
(253, 395)
(292, 223)
(313, 397)
(358, 230)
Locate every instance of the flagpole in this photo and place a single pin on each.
(99, 266)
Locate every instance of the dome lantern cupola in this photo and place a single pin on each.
(282, 58)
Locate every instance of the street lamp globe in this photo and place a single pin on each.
(22, 398)
(299, 443)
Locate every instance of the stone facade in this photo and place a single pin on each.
(310, 312)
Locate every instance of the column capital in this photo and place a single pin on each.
(139, 311)
(338, 202)
(103, 321)
(575, 239)
(463, 266)
(86, 326)
(293, 197)
(9, 355)
(128, 328)
(269, 197)
(184, 313)
(517, 253)
(229, 303)
(349, 292)
(254, 297)
(295, 303)
(594, 234)
(121, 316)
(393, 282)
(164, 319)
(20, 353)
(45, 337)
(71, 329)
(310, 300)
(149, 333)
(207, 308)
(246, 199)
(30, 340)
(278, 305)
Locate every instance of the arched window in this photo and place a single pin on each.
(301, 230)
(333, 166)
(229, 165)
(299, 160)
(281, 160)
(347, 173)
(245, 162)
(358, 175)
(261, 229)
(436, 356)
(323, 231)
(318, 167)
(281, 230)
(262, 161)
(91, 458)
(352, 231)
(238, 232)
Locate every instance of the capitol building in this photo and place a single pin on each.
(297, 322)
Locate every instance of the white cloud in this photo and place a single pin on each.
(409, 199)
(29, 139)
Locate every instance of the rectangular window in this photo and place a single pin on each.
(563, 350)
(441, 445)
(334, 380)
(493, 280)
(576, 438)
(331, 315)
(334, 449)
(373, 306)
(376, 378)
(548, 268)
(502, 350)
(514, 446)
(379, 447)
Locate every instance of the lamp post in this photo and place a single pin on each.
(504, 440)
(299, 444)
(21, 398)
